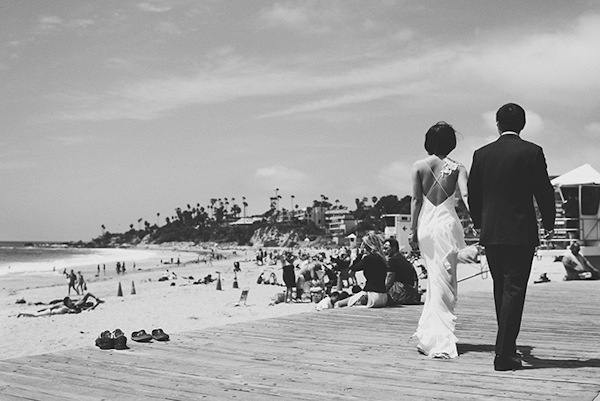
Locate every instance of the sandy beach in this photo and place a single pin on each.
(177, 306)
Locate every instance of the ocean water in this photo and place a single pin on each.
(20, 257)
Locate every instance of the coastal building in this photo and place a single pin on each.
(339, 222)
(246, 221)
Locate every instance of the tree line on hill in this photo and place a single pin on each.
(213, 223)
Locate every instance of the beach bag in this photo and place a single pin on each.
(401, 294)
(279, 297)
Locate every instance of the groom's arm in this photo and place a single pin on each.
(475, 195)
(544, 192)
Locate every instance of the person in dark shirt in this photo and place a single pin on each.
(289, 277)
(374, 267)
(341, 264)
(401, 281)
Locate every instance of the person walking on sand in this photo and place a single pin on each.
(505, 177)
(72, 282)
(81, 282)
(437, 232)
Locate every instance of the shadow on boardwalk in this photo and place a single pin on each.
(342, 354)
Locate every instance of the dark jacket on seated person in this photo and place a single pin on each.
(375, 270)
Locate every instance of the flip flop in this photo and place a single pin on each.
(105, 341)
(120, 339)
(160, 335)
(141, 336)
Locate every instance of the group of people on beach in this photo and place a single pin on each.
(76, 282)
(390, 277)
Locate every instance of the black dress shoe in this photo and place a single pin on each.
(503, 364)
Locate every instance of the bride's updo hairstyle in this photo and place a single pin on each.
(440, 139)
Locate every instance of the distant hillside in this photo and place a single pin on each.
(197, 225)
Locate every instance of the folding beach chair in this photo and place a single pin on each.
(243, 297)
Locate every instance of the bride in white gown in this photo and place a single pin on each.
(438, 233)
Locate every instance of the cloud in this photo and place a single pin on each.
(531, 67)
(79, 23)
(281, 177)
(168, 28)
(397, 177)
(48, 24)
(362, 96)
(153, 8)
(592, 130)
(232, 78)
(539, 64)
(404, 35)
(280, 15)
(313, 18)
(534, 123)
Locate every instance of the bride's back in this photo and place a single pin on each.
(439, 176)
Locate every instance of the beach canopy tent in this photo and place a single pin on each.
(581, 185)
(582, 175)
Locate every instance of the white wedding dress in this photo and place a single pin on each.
(440, 237)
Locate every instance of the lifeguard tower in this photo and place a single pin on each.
(578, 211)
(398, 226)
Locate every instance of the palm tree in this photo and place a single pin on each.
(157, 216)
(245, 204)
(139, 221)
(235, 209)
(103, 228)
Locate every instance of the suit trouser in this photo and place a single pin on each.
(510, 266)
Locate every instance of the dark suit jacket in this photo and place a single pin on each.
(504, 178)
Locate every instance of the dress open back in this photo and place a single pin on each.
(440, 237)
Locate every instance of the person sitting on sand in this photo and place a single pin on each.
(328, 301)
(374, 267)
(307, 277)
(577, 266)
(67, 306)
(401, 281)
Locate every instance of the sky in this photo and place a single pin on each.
(114, 111)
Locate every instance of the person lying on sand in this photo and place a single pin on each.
(67, 306)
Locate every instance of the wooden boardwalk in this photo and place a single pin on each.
(341, 354)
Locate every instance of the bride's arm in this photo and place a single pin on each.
(462, 185)
(416, 204)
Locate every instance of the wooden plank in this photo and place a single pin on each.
(349, 353)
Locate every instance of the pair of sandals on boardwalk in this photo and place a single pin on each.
(118, 340)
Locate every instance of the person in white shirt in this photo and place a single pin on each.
(577, 266)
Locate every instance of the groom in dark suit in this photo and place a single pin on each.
(505, 177)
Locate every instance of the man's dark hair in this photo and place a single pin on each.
(393, 244)
(440, 139)
(510, 117)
